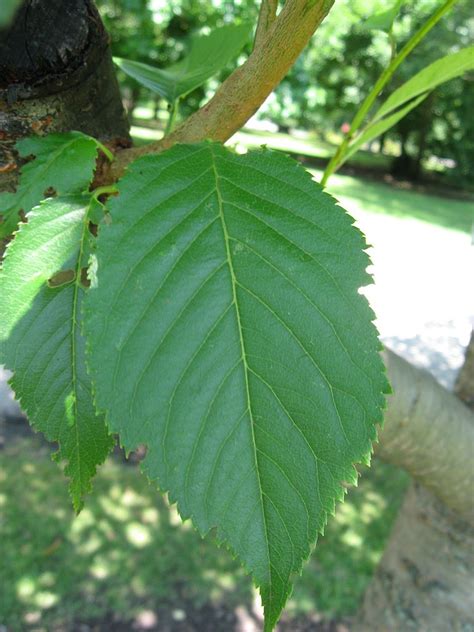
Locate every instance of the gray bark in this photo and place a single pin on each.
(464, 387)
(425, 581)
(430, 433)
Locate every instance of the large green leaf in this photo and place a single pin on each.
(226, 332)
(40, 335)
(63, 163)
(207, 55)
(379, 127)
(438, 72)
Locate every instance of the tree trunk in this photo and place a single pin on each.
(56, 74)
(426, 115)
(430, 433)
(464, 387)
(402, 166)
(425, 580)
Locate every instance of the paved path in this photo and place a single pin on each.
(423, 294)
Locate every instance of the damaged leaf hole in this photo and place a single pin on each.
(64, 277)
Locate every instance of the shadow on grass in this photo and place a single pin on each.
(127, 556)
(373, 197)
(127, 552)
(345, 558)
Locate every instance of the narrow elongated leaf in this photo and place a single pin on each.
(155, 79)
(207, 55)
(379, 127)
(63, 163)
(226, 332)
(40, 335)
(438, 72)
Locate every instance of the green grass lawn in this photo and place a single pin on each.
(128, 550)
(358, 194)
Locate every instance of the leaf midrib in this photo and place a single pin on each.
(77, 289)
(246, 368)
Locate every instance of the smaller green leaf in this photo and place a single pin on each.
(379, 127)
(438, 72)
(207, 55)
(155, 79)
(7, 11)
(41, 293)
(64, 163)
(383, 21)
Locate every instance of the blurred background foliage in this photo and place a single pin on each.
(329, 81)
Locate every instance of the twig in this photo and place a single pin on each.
(244, 91)
(267, 16)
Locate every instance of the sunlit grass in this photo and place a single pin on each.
(128, 552)
(355, 194)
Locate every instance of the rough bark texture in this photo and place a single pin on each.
(464, 387)
(425, 579)
(56, 74)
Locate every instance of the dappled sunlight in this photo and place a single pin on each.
(138, 534)
(26, 587)
(32, 617)
(146, 619)
(358, 195)
(356, 535)
(145, 134)
(128, 548)
(220, 580)
(150, 515)
(175, 519)
(132, 499)
(138, 586)
(351, 538)
(110, 506)
(84, 520)
(45, 599)
(46, 579)
(100, 568)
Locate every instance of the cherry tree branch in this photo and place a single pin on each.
(427, 431)
(279, 43)
(268, 11)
